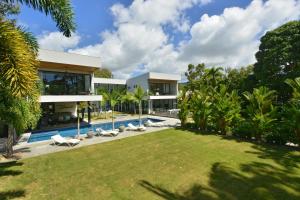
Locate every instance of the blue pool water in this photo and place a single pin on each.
(72, 131)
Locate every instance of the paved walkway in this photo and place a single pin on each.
(26, 150)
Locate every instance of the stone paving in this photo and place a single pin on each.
(26, 150)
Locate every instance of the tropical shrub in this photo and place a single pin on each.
(261, 111)
(226, 109)
(183, 105)
(292, 119)
(201, 109)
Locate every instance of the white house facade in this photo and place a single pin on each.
(68, 79)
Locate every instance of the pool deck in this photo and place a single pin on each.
(27, 150)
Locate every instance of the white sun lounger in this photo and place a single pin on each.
(102, 132)
(154, 124)
(135, 128)
(58, 139)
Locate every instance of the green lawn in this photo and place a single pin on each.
(170, 164)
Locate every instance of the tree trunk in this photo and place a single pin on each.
(78, 124)
(82, 113)
(140, 113)
(134, 108)
(112, 118)
(10, 140)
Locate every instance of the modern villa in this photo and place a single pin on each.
(68, 79)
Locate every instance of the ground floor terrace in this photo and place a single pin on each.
(60, 112)
(168, 164)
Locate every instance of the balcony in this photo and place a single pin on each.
(163, 88)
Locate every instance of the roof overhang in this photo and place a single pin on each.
(163, 76)
(110, 81)
(69, 98)
(68, 60)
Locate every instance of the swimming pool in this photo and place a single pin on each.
(72, 131)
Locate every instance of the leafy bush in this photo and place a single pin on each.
(226, 109)
(260, 110)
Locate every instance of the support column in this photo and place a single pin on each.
(149, 106)
(89, 112)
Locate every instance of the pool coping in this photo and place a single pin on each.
(23, 140)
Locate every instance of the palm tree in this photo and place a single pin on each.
(60, 11)
(18, 63)
(113, 98)
(80, 108)
(138, 96)
(213, 76)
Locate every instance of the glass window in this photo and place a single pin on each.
(59, 83)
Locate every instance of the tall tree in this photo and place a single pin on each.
(278, 59)
(194, 74)
(138, 96)
(240, 79)
(103, 73)
(18, 63)
(113, 97)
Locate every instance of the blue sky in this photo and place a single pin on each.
(94, 17)
(169, 35)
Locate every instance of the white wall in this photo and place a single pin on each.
(138, 81)
(66, 107)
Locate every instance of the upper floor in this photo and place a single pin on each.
(156, 84)
(67, 77)
(66, 74)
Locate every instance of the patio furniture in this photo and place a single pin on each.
(135, 128)
(58, 139)
(154, 124)
(90, 134)
(102, 132)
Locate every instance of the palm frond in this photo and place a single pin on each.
(18, 64)
(60, 11)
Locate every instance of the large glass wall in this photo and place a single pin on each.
(99, 87)
(164, 104)
(162, 88)
(63, 83)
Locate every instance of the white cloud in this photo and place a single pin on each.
(57, 41)
(140, 43)
(155, 12)
(231, 39)
(126, 48)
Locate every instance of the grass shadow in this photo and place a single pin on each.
(12, 194)
(283, 155)
(251, 181)
(5, 169)
(195, 192)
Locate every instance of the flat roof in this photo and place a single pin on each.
(164, 76)
(110, 81)
(160, 76)
(68, 58)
